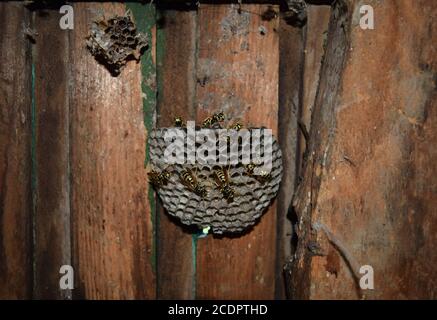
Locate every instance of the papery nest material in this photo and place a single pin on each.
(115, 41)
(214, 212)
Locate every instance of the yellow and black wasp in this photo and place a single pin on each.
(222, 178)
(237, 126)
(178, 122)
(262, 178)
(216, 118)
(159, 179)
(189, 180)
(250, 167)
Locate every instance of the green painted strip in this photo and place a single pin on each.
(145, 19)
(160, 51)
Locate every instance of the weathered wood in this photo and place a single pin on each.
(52, 246)
(112, 214)
(290, 87)
(369, 180)
(176, 38)
(15, 155)
(316, 34)
(238, 73)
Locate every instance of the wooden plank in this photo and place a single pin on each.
(316, 35)
(176, 40)
(290, 86)
(15, 155)
(112, 213)
(52, 246)
(315, 41)
(371, 170)
(238, 73)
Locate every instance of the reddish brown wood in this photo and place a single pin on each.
(176, 81)
(52, 246)
(238, 73)
(112, 218)
(15, 155)
(370, 177)
(316, 36)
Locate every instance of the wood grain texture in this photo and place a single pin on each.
(238, 73)
(52, 247)
(112, 215)
(371, 170)
(316, 35)
(176, 38)
(15, 155)
(290, 99)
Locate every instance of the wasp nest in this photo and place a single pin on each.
(222, 208)
(296, 12)
(115, 41)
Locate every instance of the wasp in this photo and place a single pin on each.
(207, 123)
(250, 167)
(218, 117)
(214, 119)
(189, 180)
(262, 178)
(159, 179)
(178, 122)
(222, 178)
(237, 126)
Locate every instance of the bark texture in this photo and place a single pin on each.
(368, 190)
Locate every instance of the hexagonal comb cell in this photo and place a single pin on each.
(115, 41)
(213, 211)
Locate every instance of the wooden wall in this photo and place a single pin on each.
(73, 151)
(16, 182)
(368, 192)
(76, 138)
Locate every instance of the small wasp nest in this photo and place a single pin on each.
(207, 204)
(296, 13)
(115, 41)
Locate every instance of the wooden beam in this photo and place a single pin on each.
(316, 36)
(290, 99)
(52, 247)
(176, 92)
(111, 207)
(15, 154)
(238, 73)
(368, 193)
